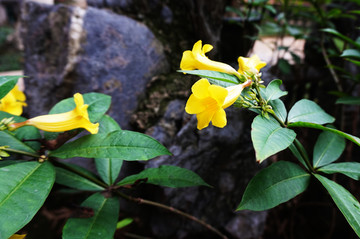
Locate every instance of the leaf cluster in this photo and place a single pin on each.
(36, 163)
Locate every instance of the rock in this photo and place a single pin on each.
(68, 50)
(224, 158)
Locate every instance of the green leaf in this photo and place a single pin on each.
(7, 139)
(269, 137)
(101, 225)
(350, 137)
(274, 185)
(126, 145)
(273, 91)
(76, 180)
(108, 124)
(124, 222)
(350, 169)
(351, 53)
(341, 36)
(98, 105)
(279, 109)
(270, 8)
(308, 111)
(299, 152)
(214, 75)
(348, 100)
(328, 148)
(284, 66)
(108, 168)
(23, 190)
(166, 175)
(345, 201)
(7, 83)
(26, 134)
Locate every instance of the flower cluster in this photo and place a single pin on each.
(209, 101)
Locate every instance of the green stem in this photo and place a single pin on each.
(21, 152)
(171, 209)
(296, 143)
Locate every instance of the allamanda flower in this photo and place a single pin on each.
(209, 101)
(17, 236)
(13, 102)
(252, 64)
(77, 118)
(196, 59)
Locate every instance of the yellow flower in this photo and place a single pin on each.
(209, 101)
(17, 236)
(196, 59)
(13, 102)
(252, 64)
(77, 118)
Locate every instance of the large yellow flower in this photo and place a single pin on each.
(252, 64)
(77, 118)
(209, 101)
(196, 59)
(13, 102)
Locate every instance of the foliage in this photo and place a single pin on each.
(30, 169)
(273, 130)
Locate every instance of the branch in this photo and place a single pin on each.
(171, 209)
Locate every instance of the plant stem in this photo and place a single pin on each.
(171, 209)
(296, 144)
(328, 63)
(21, 152)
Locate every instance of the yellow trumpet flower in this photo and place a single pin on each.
(196, 59)
(17, 236)
(252, 64)
(77, 118)
(13, 102)
(209, 101)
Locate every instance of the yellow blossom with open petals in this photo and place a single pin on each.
(77, 118)
(252, 64)
(197, 60)
(13, 102)
(209, 101)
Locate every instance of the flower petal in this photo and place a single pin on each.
(204, 119)
(188, 61)
(218, 93)
(234, 93)
(219, 118)
(194, 105)
(207, 48)
(200, 88)
(252, 64)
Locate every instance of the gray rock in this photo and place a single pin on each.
(70, 50)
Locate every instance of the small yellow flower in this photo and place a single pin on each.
(13, 102)
(196, 59)
(17, 236)
(209, 101)
(77, 118)
(252, 64)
